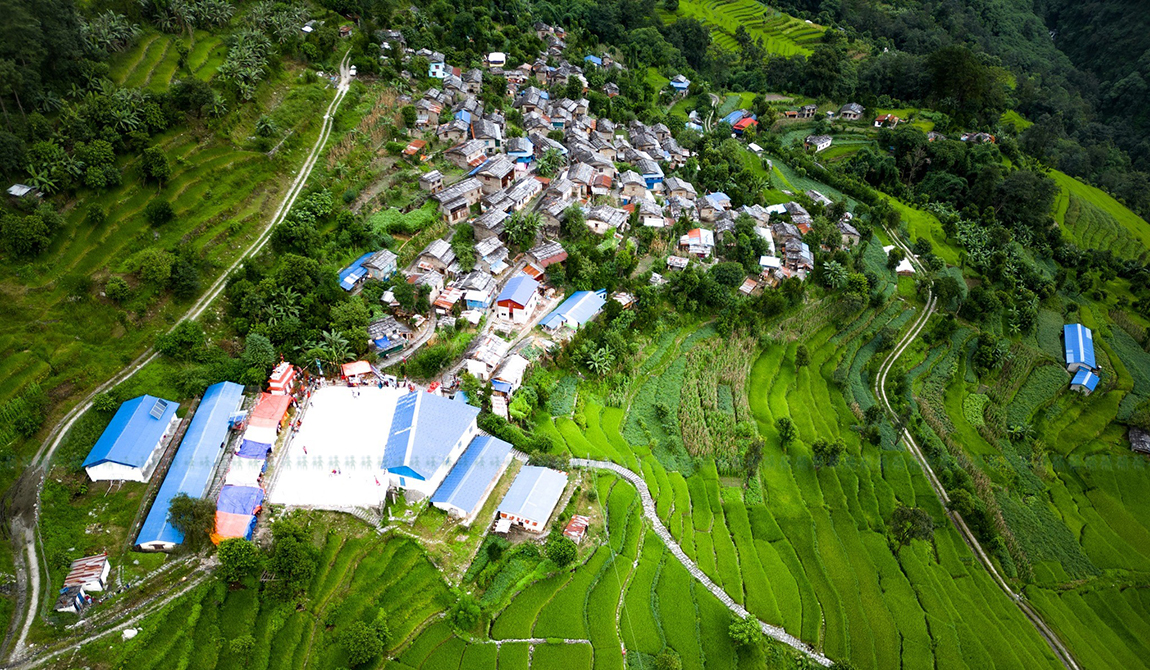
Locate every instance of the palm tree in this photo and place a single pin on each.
(600, 361)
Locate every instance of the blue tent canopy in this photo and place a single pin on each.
(253, 449)
(133, 433)
(191, 468)
(240, 499)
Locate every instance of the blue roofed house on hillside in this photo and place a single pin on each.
(474, 476)
(532, 497)
(1079, 347)
(428, 434)
(579, 308)
(193, 465)
(1084, 381)
(350, 276)
(518, 299)
(593, 59)
(131, 445)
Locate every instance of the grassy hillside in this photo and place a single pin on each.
(153, 61)
(779, 33)
(1094, 219)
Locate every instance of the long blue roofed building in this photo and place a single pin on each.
(194, 463)
(474, 476)
(1079, 347)
(427, 436)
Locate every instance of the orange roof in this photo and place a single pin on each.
(414, 147)
(745, 123)
(269, 410)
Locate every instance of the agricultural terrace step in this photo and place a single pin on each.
(649, 511)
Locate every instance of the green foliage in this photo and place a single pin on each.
(745, 632)
(561, 550)
(239, 558)
(158, 212)
(195, 518)
(117, 289)
(360, 642)
(911, 523)
(155, 166)
(973, 406)
(185, 342)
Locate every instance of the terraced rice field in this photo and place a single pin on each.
(55, 328)
(357, 577)
(1093, 219)
(153, 61)
(1078, 518)
(779, 33)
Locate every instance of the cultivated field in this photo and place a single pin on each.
(778, 32)
(1092, 218)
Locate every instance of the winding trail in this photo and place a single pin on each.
(1052, 639)
(649, 512)
(24, 520)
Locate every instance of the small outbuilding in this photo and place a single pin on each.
(533, 497)
(1084, 381)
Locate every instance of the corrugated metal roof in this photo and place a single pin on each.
(84, 570)
(518, 290)
(424, 428)
(1079, 344)
(579, 308)
(191, 468)
(534, 493)
(479, 465)
(133, 433)
(1085, 378)
(354, 272)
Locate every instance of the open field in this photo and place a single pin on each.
(780, 33)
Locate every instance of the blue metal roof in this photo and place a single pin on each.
(734, 117)
(402, 421)
(354, 272)
(518, 289)
(133, 433)
(423, 431)
(1085, 378)
(476, 469)
(463, 115)
(579, 308)
(191, 468)
(534, 493)
(1079, 344)
(718, 198)
(501, 386)
(480, 167)
(593, 59)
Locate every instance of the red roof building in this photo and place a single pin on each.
(576, 528)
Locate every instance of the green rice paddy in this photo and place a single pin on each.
(779, 33)
(1094, 219)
